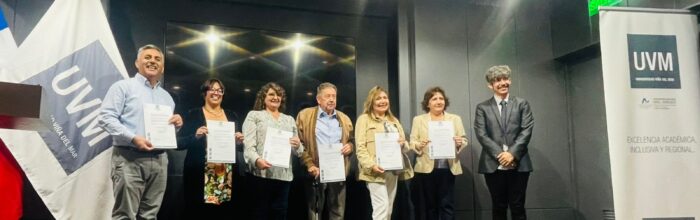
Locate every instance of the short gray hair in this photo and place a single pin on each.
(149, 46)
(497, 72)
(323, 86)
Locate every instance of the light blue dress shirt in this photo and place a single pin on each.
(328, 130)
(122, 109)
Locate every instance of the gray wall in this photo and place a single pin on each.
(575, 43)
(454, 42)
(573, 29)
(589, 137)
(551, 45)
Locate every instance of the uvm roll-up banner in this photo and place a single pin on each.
(652, 101)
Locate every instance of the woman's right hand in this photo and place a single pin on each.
(262, 164)
(377, 169)
(201, 132)
(422, 145)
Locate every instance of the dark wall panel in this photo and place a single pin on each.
(516, 33)
(491, 41)
(354, 7)
(592, 158)
(441, 60)
(134, 25)
(537, 80)
(570, 26)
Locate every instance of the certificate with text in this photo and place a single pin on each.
(158, 130)
(388, 150)
(331, 162)
(277, 149)
(221, 141)
(441, 135)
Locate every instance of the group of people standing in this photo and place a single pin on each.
(503, 125)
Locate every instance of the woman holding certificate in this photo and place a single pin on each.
(209, 169)
(380, 151)
(270, 141)
(436, 137)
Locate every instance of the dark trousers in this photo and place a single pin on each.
(328, 197)
(433, 195)
(271, 198)
(507, 188)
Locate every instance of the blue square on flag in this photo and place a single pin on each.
(72, 93)
(3, 22)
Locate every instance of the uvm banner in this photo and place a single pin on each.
(652, 101)
(71, 53)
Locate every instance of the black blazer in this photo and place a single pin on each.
(196, 148)
(517, 134)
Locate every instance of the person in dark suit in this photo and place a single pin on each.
(503, 125)
(211, 190)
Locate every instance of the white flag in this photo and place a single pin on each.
(8, 47)
(72, 54)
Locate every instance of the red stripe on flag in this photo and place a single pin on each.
(11, 185)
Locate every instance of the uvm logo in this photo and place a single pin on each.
(73, 89)
(653, 61)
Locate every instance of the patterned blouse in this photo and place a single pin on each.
(217, 182)
(254, 131)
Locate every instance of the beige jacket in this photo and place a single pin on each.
(419, 132)
(365, 128)
(306, 123)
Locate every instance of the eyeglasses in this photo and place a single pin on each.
(214, 91)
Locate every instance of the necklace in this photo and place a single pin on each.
(217, 114)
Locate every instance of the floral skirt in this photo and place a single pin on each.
(217, 182)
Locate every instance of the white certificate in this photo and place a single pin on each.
(331, 162)
(159, 131)
(388, 151)
(277, 149)
(442, 144)
(221, 141)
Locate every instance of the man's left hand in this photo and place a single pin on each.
(239, 138)
(176, 120)
(505, 158)
(347, 149)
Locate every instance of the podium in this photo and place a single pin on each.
(21, 107)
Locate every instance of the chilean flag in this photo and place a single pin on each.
(72, 54)
(10, 172)
(7, 44)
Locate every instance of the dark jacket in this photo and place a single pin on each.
(492, 137)
(196, 148)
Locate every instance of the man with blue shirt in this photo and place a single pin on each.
(139, 172)
(323, 124)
